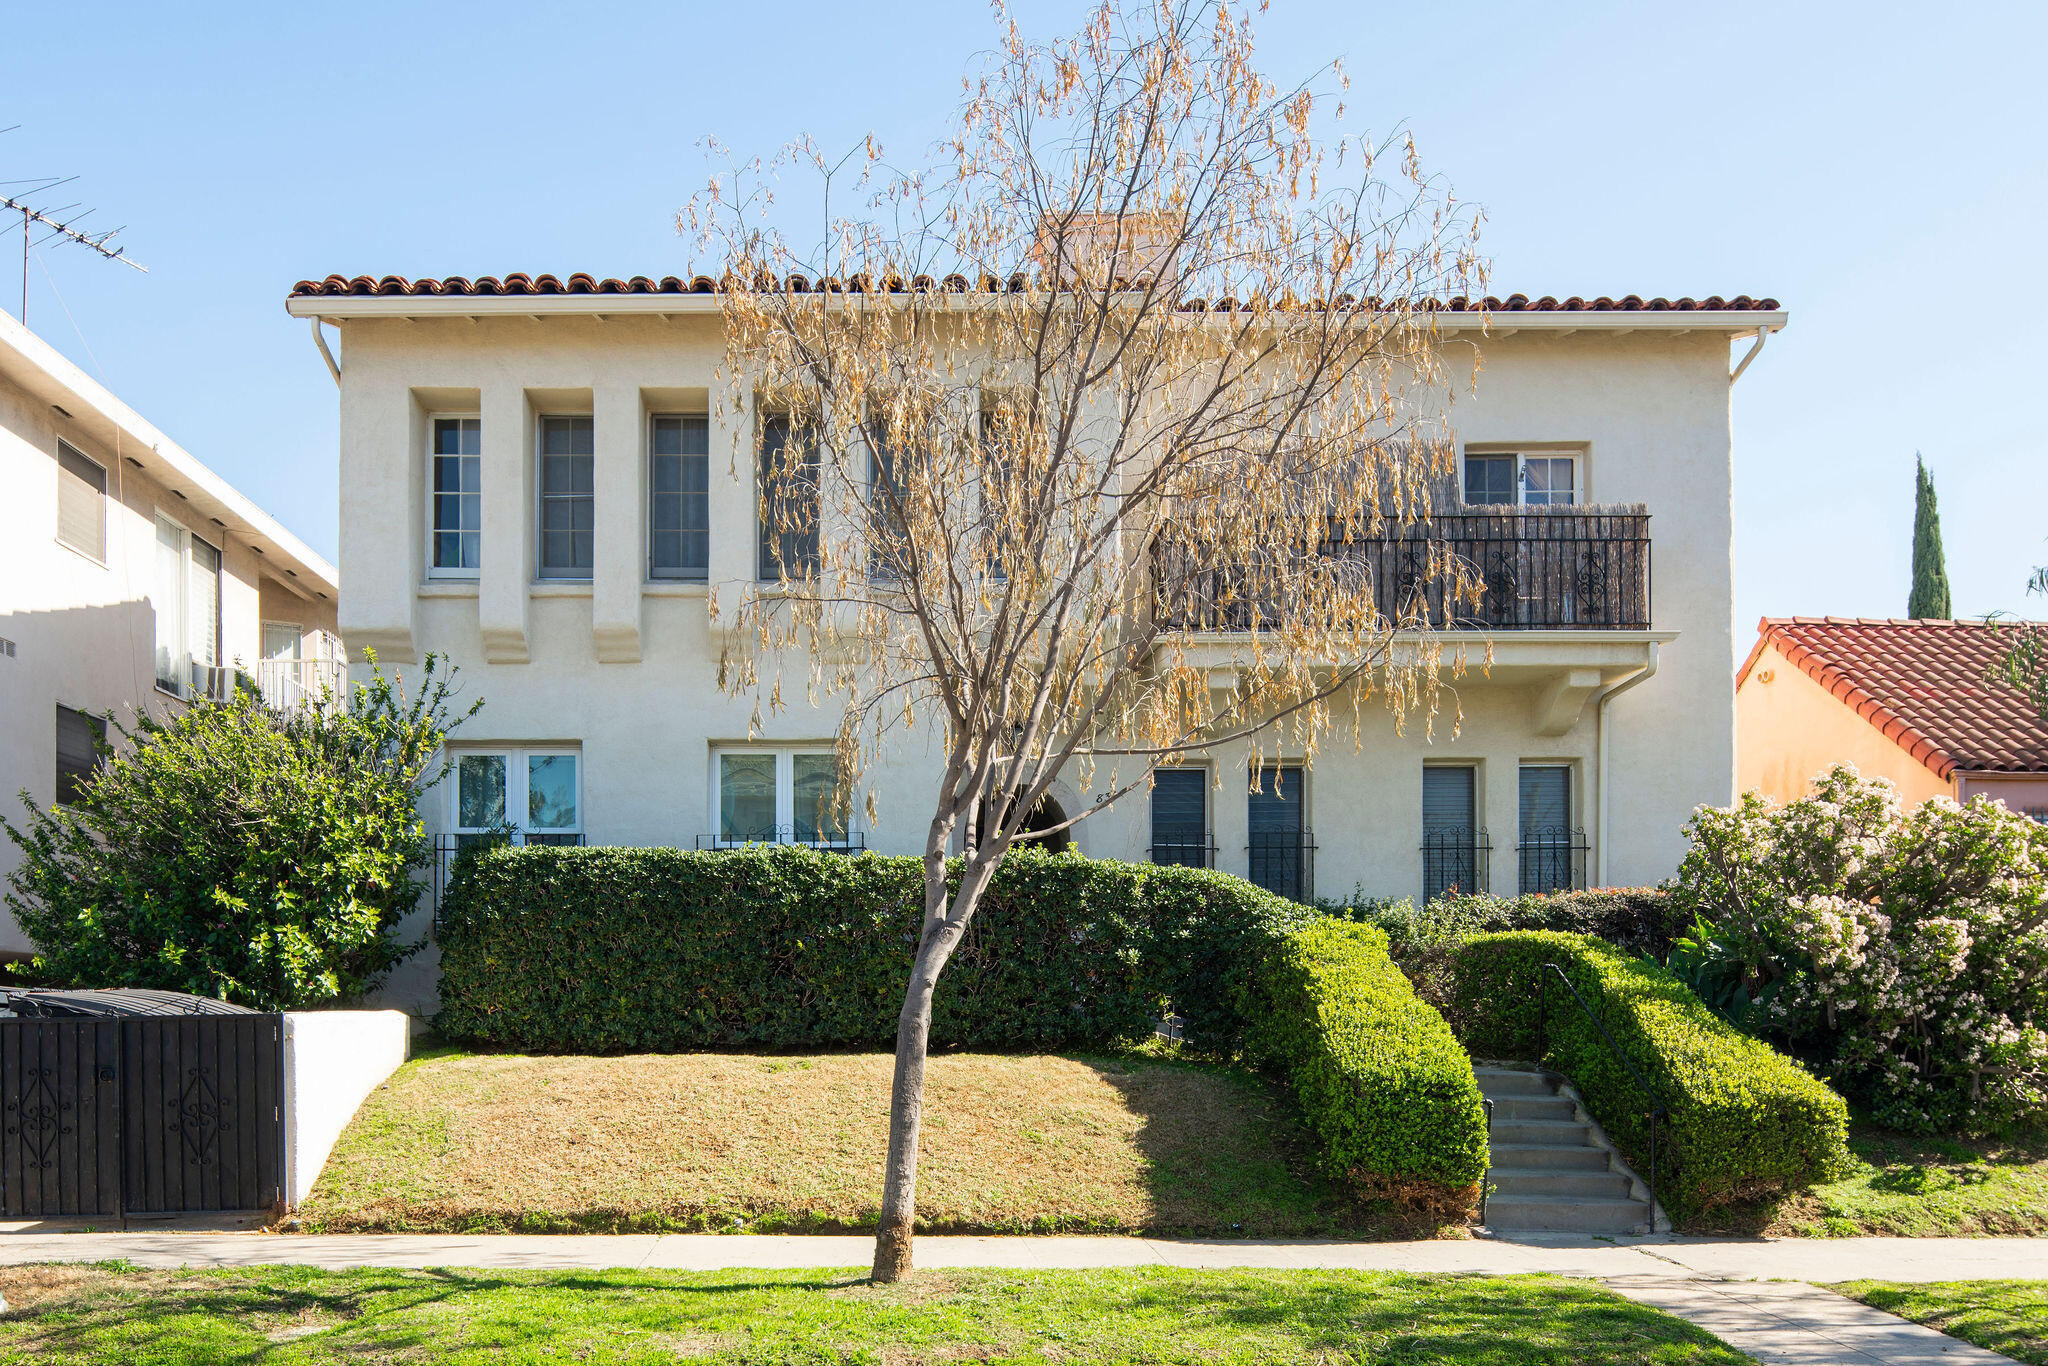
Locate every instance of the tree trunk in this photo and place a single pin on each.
(906, 1117)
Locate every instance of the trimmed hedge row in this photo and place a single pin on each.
(1378, 1074)
(1642, 920)
(603, 950)
(1743, 1118)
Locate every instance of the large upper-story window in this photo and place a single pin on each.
(679, 497)
(186, 601)
(568, 503)
(455, 479)
(1525, 480)
(534, 794)
(789, 502)
(81, 502)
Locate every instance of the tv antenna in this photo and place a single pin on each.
(59, 230)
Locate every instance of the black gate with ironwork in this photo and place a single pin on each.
(156, 1115)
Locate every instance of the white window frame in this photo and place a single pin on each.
(1522, 459)
(666, 576)
(101, 558)
(785, 792)
(433, 571)
(181, 686)
(541, 572)
(516, 792)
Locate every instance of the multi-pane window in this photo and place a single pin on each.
(1528, 480)
(789, 501)
(888, 488)
(568, 502)
(79, 737)
(1452, 843)
(534, 794)
(679, 497)
(81, 502)
(456, 478)
(185, 600)
(780, 796)
(1550, 848)
(1180, 817)
(1279, 846)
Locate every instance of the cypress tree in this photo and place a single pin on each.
(1929, 597)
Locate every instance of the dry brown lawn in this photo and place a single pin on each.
(716, 1141)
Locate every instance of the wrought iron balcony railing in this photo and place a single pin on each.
(1283, 862)
(1455, 860)
(1185, 846)
(1529, 569)
(1552, 860)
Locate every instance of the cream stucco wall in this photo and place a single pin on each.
(1792, 729)
(83, 631)
(626, 669)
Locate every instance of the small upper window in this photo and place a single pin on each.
(568, 502)
(81, 502)
(679, 498)
(185, 600)
(457, 483)
(789, 501)
(1528, 480)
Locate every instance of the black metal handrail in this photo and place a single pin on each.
(449, 847)
(1527, 570)
(1486, 1181)
(1659, 1112)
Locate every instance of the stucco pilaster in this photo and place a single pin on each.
(505, 576)
(734, 545)
(621, 515)
(383, 499)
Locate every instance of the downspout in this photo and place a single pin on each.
(1762, 333)
(1600, 711)
(320, 340)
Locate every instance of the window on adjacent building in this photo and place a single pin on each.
(535, 794)
(1528, 480)
(186, 601)
(81, 502)
(1279, 849)
(789, 502)
(779, 796)
(1549, 852)
(1452, 843)
(1180, 817)
(456, 541)
(568, 501)
(679, 497)
(79, 737)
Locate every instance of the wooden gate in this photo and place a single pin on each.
(151, 1115)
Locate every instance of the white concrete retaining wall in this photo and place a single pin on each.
(332, 1060)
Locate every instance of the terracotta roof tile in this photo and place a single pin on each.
(1920, 682)
(489, 286)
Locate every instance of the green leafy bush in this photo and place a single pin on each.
(609, 950)
(1904, 951)
(237, 852)
(1380, 1077)
(1743, 1119)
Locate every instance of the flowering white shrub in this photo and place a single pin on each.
(1904, 951)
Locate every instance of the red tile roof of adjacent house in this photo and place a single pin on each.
(339, 286)
(1923, 683)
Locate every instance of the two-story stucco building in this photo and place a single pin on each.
(536, 484)
(132, 578)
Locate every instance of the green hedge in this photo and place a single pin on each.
(1642, 920)
(602, 950)
(1379, 1076)
(1744, 1119)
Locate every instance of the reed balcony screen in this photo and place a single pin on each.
(1532, 569)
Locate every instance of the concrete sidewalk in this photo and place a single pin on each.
(1667, 1258)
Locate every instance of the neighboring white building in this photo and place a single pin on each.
(476, 413)
(131, 576)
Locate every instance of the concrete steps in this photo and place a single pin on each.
(1552, 1169)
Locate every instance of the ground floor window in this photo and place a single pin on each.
(795, 795)
(1453, 846)
(1180, 817)
(533, 794)
(79, 737)
(1551, 849)
(1280, 850)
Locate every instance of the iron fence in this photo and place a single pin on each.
(1454, 859)
(1184, 846)
(1552, 860)
(449, 847)
(852, 842)
(1283, 862)
(1524, 570)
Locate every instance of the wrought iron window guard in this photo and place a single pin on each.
(852, 842)
(1188, 846)
(1455, 859)
(449, 847)
(1526, 570)
(1658, 1114)
(1283, 862)
(1551, 860)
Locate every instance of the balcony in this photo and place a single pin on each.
(1530, 569)
(288, 684)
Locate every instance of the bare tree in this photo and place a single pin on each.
(1070, 443)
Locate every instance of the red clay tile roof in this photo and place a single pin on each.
(337, 286)
(1920, 682)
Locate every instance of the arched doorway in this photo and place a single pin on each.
(1044, 816)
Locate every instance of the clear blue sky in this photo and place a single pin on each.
(1877, 168)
